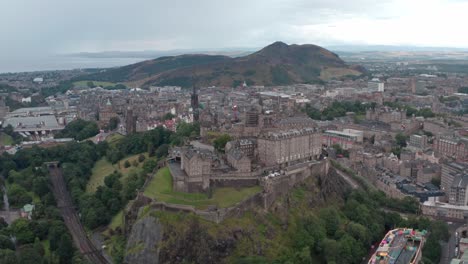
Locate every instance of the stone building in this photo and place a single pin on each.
(451, 147)
(449, 172)
(418, 141)
(435, 127)
(427, 173)
(197, 164)
(246, 146)
(238, 160)
(106, 113)
(346, 139)
(386, 115)
(285, 147)
(457, 194)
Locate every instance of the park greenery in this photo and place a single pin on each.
(220, 142)
(14, 138)
(401, 142)
(45, 237)
(338, 109)
(410, 111)
(79, 129)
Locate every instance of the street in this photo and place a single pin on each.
(448, 249)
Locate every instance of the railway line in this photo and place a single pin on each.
(70, 216)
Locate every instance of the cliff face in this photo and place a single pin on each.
(142, 245)
(189, 239)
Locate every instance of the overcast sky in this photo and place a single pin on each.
(64, 26)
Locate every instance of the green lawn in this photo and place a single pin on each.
(101, 169)
(160, 188)
(46, 246)
(97, 83)
(117, 220)
(114, 138)
(131, 159)
(5, 140)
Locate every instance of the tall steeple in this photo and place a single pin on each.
(194, 100)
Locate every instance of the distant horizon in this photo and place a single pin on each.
(118, 58)
(333, 47)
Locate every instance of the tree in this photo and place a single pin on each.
(168, 116)
(113, 155)
(79, 129)
(127, 164)
(6, 243)
(162, 151)
(436, 181)
(8, 256)
(220, 142)
(40, 186)
(21, 229)
(114, 122)
(18, 196)
(151, 150)
(90, 84)
(29, 254)
(141, 158)
(149, 165)
(401, 139)
(65, 249)
(331, 218)
(330, 250)
(56, 230)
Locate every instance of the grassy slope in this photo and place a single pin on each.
(97, 83)
(5, 140)
(117, 220)
(114, 138)
(103, 168)
(160, 188)
(329, 73)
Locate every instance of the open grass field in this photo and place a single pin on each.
(160, 188)
(97, 83)
(329, 73)
(117, 220)
(5, 140)
(103, 168)
(114, 138)
(131, 159)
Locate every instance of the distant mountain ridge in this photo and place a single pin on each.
(276, 64)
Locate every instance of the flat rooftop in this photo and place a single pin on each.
(399, 246)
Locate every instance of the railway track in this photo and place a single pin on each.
(70, 216)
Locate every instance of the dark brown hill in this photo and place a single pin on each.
(276, 64)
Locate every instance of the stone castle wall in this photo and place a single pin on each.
(273, 188)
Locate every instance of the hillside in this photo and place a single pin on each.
(276, 64)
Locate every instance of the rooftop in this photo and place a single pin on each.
(399, 246)
(28, 123)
